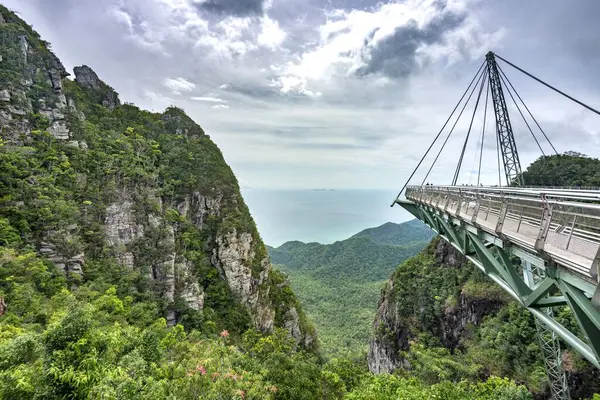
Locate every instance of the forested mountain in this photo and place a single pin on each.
(567, 169)
(440, 318)
(339, 283)
(398, 234)
(125, 245)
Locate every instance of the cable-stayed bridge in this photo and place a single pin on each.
(540, 244)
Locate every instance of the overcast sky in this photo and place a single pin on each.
(335, 93)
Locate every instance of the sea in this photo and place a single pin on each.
(319, 215)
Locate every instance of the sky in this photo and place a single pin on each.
(337, 93)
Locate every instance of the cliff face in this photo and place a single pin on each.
(429, 293)
(110, 183)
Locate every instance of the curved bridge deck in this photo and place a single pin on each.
(562, 225)
(554, 232)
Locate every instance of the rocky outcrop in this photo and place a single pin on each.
(391, 335)
(232, 256)
(2, 302)
(292, 324)
(69, 265)
(198, 207)
(469, 311)
(394, 330)
(5, 96)
(24, 44)
(121, 229)
(87, 78)
(41, 69)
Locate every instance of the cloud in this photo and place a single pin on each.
(238, 8)
(387, 41)
(271, 35)
(178, 85)
(209, 99)
(396, 55)
(335, 93)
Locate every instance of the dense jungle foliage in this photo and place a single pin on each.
(339, 284)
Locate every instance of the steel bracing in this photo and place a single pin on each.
(549, 343)
(504, 131)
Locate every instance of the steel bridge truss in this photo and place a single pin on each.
(530, 230)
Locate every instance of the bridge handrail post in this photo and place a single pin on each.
(476, 210)
(546, 218)
(459, 204)
(520, 218)
(571, 233)
(501, 217)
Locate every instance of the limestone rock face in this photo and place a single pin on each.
(391, 335)
(87, 78)
(24, 47)
(59, 130)
(2, 302)
(5, 96)
(121, 229)
(41, 68)
(67, 264)
(392, 330)
(232, 257)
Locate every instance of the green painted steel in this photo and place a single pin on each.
(493, 257)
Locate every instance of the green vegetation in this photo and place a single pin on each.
(454, 307)
(102, 338)
(567, 169)
(339, 284)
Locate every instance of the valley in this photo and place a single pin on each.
(339, 284)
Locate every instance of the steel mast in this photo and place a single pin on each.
(504, 131)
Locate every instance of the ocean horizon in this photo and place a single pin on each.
(319, 215)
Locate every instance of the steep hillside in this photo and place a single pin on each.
(338, 284)
(112, 202)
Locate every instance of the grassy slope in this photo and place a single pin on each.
(339, 284)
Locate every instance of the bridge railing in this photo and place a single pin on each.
(562, 225)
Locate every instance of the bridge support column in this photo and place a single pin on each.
(548, 341)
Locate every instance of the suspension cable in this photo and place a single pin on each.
(487, 93)
(439, 133)
(549, 86)
(527, 108)
(452, 129)
(522, 116)
(462, 154)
